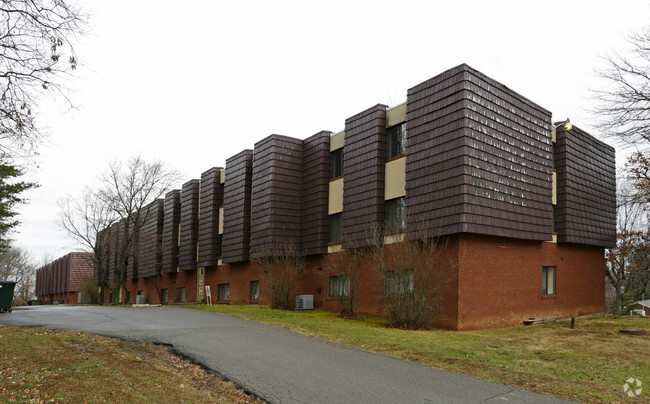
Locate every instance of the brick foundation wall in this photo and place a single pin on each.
(500, 281)
(62, 298)
(493, 283)
(171, 282)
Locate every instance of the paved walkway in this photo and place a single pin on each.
(278, 365)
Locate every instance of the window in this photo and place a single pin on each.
(164, 296)
(338, 286)
(254, 290)
(337, 163)
(398, 282)
(180, 295)
(548, 280)
(396, 140)
(223, 292)
(336, 227)
(396, 214)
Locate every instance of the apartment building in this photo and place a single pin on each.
(61, 280)
(526, 208)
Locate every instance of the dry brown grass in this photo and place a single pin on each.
(42, 365)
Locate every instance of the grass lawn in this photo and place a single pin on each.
(42, 365)
(587, 364)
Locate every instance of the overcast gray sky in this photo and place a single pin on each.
(195, 82)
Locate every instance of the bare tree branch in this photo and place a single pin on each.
(282, 264)
(623, 106)
(36, 55)
(632, 251)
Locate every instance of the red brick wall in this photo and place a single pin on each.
(494, 282)
(62, 298)
(500, 281)
(238, 276)
(171, 282)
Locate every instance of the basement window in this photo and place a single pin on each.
(396, 140)
(223, 292)
(254, 290)
(180, 295)
(398, 282)
(548, 281)
(338, 286)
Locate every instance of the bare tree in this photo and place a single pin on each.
(638, 170)
(283, 265)
(85, 221)
(127, 190)
(89, 291)
(623, 106)
(36, 54)
(345, 285)
(414, 271)
(118, 206)
(631, 254)
(16, 265)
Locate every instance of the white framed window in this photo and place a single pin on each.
(180, 295)
(254, 290)
(338, 286)
(398, 282)
(223, 292)
(548, 280)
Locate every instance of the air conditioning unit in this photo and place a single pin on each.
(305, 302)
(139, 299)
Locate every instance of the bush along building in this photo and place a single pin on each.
(521, 210)
(62, 280)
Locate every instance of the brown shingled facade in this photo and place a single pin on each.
(477, 169)
(314, 233)
(586, 177)
(237, 208)
(61, 280)
(479, 158)
(171, 221)
(277, 193)
(211, 198)
(189, 226)
(363, 167)
(149, 257)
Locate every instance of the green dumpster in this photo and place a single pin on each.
(6, 295)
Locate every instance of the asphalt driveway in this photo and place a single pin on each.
(279, 366)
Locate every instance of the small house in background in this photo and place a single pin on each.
(641, 307)
(61, 280)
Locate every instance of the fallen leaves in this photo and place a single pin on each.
(46, 365)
